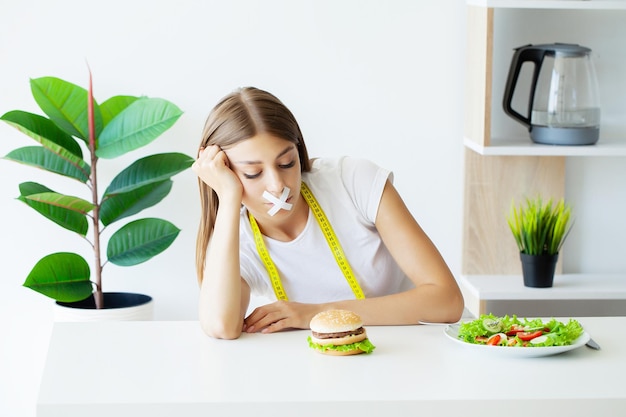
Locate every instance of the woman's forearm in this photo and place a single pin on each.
(220, 308)
(428, 303)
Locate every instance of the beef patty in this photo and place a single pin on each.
(337, 335)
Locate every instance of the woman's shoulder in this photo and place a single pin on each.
(350, 173)
(358, 182)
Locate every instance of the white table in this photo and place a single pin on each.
(570, 295)
(172, 369)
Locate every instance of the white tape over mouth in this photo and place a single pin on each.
(279, 203)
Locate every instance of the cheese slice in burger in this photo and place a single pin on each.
(339, 333)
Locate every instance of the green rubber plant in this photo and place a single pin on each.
(75, 121)
(539, 227)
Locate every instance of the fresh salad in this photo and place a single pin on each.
(515, 332)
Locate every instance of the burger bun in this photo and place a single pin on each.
(335, 321)
(341, 352)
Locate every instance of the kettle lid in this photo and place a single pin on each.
(562, 49)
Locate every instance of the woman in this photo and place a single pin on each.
(313, 234)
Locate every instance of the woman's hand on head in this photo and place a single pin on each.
(213, 168)
(280, 315)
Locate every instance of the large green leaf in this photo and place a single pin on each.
(68, 212)
(123, 205)
(63, 163)
(114, 106)
(66, 104)
(62, 276)
(42, 130)
(148, 170)
(60, 200)
(137, 125)
(140, 240)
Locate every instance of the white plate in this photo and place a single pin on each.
(520, 352)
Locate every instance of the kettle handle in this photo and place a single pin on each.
(522, 54)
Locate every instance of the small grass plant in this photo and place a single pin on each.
(540, 227)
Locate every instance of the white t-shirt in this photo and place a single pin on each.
(349, 192)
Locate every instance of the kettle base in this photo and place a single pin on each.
(567, 136)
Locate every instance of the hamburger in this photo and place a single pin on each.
(339, 333)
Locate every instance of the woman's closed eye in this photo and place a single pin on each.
(252, 176)
(281, 166)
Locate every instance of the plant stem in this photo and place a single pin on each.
(98, 296)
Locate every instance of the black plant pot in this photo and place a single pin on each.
(538, 270)
(117, 306)
(111, 300)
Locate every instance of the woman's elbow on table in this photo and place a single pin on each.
(453, 304)
(455, 307)
(220, 330)
(442, 304)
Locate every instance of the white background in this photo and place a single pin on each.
(375, 79)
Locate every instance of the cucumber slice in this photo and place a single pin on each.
(492, 325)
(539, 340)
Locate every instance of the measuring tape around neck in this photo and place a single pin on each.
(331, 239)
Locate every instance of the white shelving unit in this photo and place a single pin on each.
(552, 4)
(591, 295)
(523, 147)
(501, 164)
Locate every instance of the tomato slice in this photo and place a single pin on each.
(515, 329)
(493, 340)
(496, 339)
(529, 335)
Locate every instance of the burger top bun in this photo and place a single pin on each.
(335, 321)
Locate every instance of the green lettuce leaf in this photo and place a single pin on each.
(365, 345)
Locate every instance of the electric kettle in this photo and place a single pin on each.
(563, 102)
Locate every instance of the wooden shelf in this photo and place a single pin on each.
(525, 147)
(552, 4)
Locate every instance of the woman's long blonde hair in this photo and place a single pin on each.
(241, 115)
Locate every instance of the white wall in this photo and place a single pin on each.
(377, 79)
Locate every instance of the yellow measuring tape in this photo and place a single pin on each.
(331, 239)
